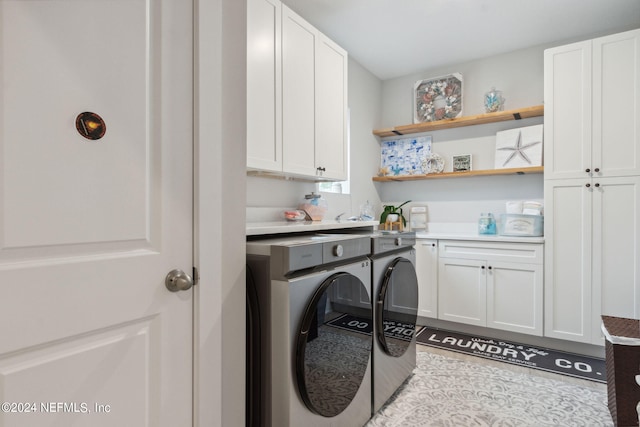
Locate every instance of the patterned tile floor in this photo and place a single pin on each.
(450, 389)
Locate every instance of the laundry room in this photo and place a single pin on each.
(477, 185)
(318, 213)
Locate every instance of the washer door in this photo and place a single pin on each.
(331, 361)
(397, 307)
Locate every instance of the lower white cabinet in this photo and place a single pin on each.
(491, 284)
(592, 267)
(427, 272)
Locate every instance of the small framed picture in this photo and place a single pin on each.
(461, 163)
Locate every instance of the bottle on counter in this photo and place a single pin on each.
(486, 224)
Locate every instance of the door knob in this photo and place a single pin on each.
(178, 280)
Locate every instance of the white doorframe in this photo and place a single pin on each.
(219, 236)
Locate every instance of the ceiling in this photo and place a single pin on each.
(393, 38)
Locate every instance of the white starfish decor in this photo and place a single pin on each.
(520, 147)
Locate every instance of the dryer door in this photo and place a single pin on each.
(331, 361)
(397, 307)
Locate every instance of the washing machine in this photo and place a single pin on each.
(395, 299)
(312, 373)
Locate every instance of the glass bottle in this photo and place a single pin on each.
(493, 101)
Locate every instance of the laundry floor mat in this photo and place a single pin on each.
(399, 330)
(574, 365)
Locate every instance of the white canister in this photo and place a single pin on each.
(514, 207)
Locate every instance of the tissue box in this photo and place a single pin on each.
(521, 225)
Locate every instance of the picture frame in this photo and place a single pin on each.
(404, 156)
(461, 162)
(519, 147)
(437, 98)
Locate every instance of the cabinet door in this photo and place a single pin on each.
(427, 271)
(264, 94)
(514, 297)
(567, 111)
(616, 266)
(616, 104)
(462, 291)
(331, 110)
(298, 94)
(568, 240)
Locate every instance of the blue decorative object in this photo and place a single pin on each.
(404, 156)
(493, 101)
(486, 224)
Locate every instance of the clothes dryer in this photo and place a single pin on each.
(312, 374)
(395, 298)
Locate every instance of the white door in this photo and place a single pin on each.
(331, 107)
(298, 94)
(427, 271)
(567, 111)
(89, 228)
(616, 127)
(264, 85)
(616, 245)
(462, 291)
(514, 297)
(567, 283)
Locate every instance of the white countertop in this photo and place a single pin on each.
(436, 231)
(277, 227)
(468, 231)
(478, 237)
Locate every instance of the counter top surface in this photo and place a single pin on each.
(477, 237)
(278, 227)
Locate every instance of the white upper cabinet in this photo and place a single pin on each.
(264, 85)
(592, 105)
(296, 96)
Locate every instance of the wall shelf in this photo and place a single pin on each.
(480, 119)
(487, 172)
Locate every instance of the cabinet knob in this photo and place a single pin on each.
(587, 170)
(587, 185)
(597, 184)
(596, 170)
(482, 267)
(489, 267)
(433, 244)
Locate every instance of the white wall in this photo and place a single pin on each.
(220, 161)
(519, 75)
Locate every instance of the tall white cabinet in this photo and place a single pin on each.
(592, 185)
(296, 96)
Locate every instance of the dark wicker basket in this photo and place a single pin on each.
(623, 364)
